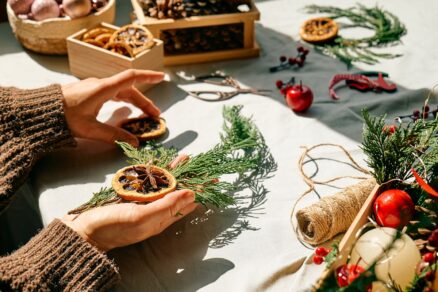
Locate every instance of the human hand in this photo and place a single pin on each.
(83, 100)
(123, 224)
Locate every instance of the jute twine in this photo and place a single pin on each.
(331, 215)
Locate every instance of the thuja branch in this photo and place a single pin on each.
(241, 150)
(392, 155)
(388, 30)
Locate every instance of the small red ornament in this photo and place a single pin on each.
(393, 208)
(299, 97)
(317, 260)
(429, 257)
(346, 274)
(390, 129)
(322, 251)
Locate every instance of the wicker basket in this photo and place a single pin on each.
(49, 36)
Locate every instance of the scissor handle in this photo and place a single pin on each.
(221, 95)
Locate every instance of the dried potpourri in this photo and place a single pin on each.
(143, 183)
(137, 37)
(145, 128)
(129, 40)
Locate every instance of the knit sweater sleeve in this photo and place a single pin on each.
(32, 123)
(57, 259)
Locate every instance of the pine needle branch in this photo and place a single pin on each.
(241, 151)
(388, 30)
(391, 156)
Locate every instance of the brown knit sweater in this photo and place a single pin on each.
(32, 123)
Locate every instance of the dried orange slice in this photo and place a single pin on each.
(319, 30)
(93, 33)
(145, 128)
(143, 183)
(138, 37)
(120, 48)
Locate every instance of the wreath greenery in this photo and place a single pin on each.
(388, 31)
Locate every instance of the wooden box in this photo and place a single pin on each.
(237, 21)
(87, 60)
(349, 237)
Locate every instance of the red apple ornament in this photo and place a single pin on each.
(299, 97)
(393, 208)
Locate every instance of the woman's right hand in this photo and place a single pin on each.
(123, 224)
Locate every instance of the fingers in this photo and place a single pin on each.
(110, 134)
(179, 159)
(126, 79)
(181, 214)
(166, 208)
(135, 97)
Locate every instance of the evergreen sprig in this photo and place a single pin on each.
(388, 30)
(392, 155)
(241, 151)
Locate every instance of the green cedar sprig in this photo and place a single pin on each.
(241, 150)
(388, 30)
(392, 155)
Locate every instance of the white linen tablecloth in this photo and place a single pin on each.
(237, 249)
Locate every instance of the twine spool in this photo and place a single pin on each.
(334, 214)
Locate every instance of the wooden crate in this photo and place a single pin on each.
(87, 60)
(349, 237)
(249, 49)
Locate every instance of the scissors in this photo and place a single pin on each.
(219, 78)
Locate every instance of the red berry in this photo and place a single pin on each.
(430, 276)
(300, 62)
(283, 90)
(322, 251)
(306, 52)
(433, 238)
(426, 108)
(427, 289)
(342, 276)
(279, 84)
(416, 113)
(346, 274)
(429, 258)
(317, 260)
(390, 129)
(292, 61)
(300, 49)
(283, 59)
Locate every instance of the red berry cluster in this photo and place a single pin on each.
(284, 86)
(289, 62)
(425, 269)
(320, 254)
(425, 113)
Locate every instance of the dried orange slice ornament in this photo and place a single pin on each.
(137, 37)
(143, 183)
(145, 128)
(319, 30)
(120, 48)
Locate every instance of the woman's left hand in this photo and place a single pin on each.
(83, 100)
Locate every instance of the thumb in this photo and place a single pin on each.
(109, 134)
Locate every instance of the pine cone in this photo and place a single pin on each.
(426, 238)
(162, 9)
